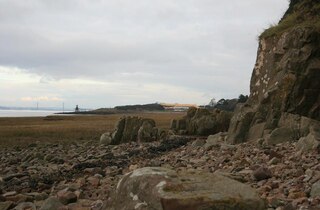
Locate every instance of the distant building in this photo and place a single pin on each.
(178, 107)
(76, 109)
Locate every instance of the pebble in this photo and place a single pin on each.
(83, 176)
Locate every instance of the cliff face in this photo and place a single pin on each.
(285, 83)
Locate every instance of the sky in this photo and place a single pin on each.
(103, 53)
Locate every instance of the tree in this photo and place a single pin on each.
(222, 102)
(212, 103)
(242, 98)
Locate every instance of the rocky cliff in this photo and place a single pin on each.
(285, 84)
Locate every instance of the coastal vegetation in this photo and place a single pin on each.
(67, 129)
(300, 14)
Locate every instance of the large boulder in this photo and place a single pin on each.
(311, 142)
(165, 189)
(203, 122)
(280, 135)
(135, 129)
(147, 132)
(215, 140)
(285, 84)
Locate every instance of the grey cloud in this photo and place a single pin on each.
(204, 45)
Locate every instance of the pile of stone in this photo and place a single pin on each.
(86, 175)
(73, 176)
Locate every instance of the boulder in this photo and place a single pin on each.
(309, 143)
(106, 139)
(66, 197)
(202, 122)
(165, 189)
(315, 190)
(173, 124)
(178, 124)
(240, 124)
(147, 132)
(280, 135)
(51, 203)
(214, 140)
(135, 129)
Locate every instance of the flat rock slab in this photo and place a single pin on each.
(165, 189)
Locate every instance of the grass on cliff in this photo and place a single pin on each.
(67, 129)
(304, 14)
(278, 29)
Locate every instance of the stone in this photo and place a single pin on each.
(117, 135)
(94, 181)
(147, 132)
(106, 139)
(280, 135)
(8, 194)
(308, 143)
(262, 173)
(6, 205)
(165, 189)
(19, 198)
(181, 124)
(204, 122)
(97, 205)
(52, 203)
(240, 124)
(215, 140)
(256, 132)
(274, 161)
(38, 196)
(199, 142)
(66, 197)
(173, 124)
(315, 190)
(25, 206)
(133, 129)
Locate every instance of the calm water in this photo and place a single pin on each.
(26, 113)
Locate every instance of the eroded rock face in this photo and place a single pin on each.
(284, 88)
(202, 122)
(165, 189)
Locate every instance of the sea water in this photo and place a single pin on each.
(26, 113)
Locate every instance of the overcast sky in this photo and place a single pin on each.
(101, 53)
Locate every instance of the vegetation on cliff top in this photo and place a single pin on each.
(301, 13)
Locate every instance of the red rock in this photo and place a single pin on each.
(94, 181)
(262, 173)
(67, 197)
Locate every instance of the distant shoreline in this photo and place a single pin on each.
(25, 113)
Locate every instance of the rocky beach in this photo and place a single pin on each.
(258, 154)
(85, 176)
